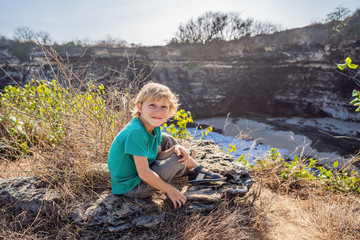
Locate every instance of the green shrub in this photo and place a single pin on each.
(40, 110)
(182, 119)
(191, 66)
(22, 50)
(350, 67)
(333, 180)
(69, 47)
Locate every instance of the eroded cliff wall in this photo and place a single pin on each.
(291, 73)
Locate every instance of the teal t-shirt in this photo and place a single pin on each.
(133, 139)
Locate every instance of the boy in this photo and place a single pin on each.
(142, 160)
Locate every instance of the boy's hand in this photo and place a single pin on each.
(181, 151)
(177, 198)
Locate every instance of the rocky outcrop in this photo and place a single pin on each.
(28, 194)
(291, 73)
(117, 213)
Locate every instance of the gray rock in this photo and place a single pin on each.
(119, 228)
(192, 207)
(148, 221)
(117, 213)
(28, 193)
(203, 193)
(236, 191)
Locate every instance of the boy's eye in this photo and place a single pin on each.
(164, 107)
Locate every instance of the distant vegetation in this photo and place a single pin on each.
(339, 14)
(25, 34)
(218, 26)
(209, 27)
(215, 26)
(338, 17)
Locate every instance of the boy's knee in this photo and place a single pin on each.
(175, 158)
(181, 167)
(167, 141)
(174, 166)
(169, 168)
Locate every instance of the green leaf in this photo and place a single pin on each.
(342, 66)
(336, 164)
(328, 173)
(354, 101)
(358, 109)
(355, 93)
(352, 66)
(348, 60)
(5, 116)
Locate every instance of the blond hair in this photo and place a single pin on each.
(156, 91)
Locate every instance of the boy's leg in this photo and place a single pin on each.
(166, 169)
(142, 190)
(167, 141)
(169, 168)
(197, 172)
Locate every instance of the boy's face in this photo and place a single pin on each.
(153, 113)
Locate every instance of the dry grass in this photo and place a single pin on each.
(320, 216)
(23, 225)
(301, 209)
(231, 220)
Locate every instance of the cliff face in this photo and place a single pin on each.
(285, 74)
(291, 73)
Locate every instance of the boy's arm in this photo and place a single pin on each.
(153, 179)
(178, 150)
(166, 153)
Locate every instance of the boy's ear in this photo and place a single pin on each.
(138, 106)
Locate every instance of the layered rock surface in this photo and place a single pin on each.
(117, 213)
(291, 73)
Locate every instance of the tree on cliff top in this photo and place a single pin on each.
(213, 26)
(344, 21)
(339, 14)
(26, 34)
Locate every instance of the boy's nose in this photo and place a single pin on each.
(158, 109)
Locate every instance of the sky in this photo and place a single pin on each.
(148, 22)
